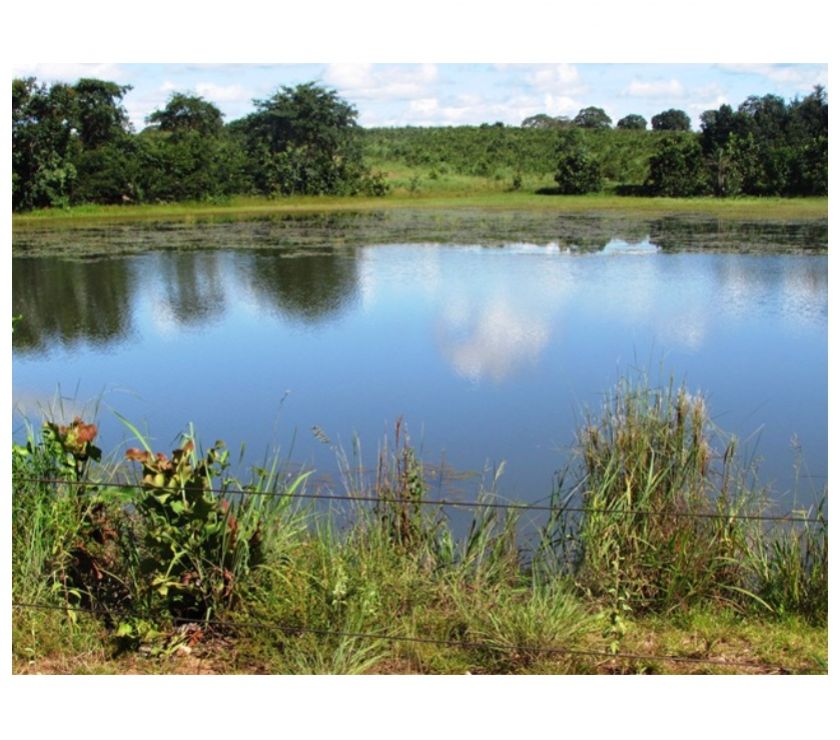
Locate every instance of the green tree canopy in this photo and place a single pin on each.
(677, 168)
(671, 120)
(304, 139)
(42, 142)
(634, 122)
(578, 171)
(592, 117)
(100, 116)
(188, 113)
(543, 120)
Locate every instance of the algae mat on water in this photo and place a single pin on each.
(496, 227)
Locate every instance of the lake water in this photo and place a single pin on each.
(490, 347)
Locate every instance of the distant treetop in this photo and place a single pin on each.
(188, 113)
(671, 120)
(593, 117)
(633, 121)
(543, 120)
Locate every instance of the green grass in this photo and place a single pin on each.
(332, 586)
(445, 192)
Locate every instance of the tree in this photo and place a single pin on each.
(592, 117)
(716, 126)
(808, 134)
(42, 144)
(633, 121)
(677, 168)
(108, 173)
(188, 113)
(187, 154)
(578, 171)
(188, 165)
(305, 140)
(671, 120)
(100, 116)
(543, 120)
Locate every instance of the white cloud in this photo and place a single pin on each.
(701, 106)
(558, 79)
(800, 76)
(424, 106)
(706, 97)
(382, 82)
(473, 109)
(223, 93)
(559, 105)
(655, 89)
(499, 343)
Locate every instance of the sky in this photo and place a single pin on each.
(430, 94)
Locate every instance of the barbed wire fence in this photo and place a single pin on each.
(792, 517)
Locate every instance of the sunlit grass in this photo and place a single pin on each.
(416, 190)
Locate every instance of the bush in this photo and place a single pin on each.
(677, 168)
(578, 171)
(197, 546)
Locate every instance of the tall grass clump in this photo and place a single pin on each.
(661, 515)
(656, 529)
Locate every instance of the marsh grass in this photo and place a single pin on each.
(665, 515)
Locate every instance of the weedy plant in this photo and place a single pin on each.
(67, 532)
(197, 545)
(400, 487)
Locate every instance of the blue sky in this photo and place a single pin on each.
(449, 94)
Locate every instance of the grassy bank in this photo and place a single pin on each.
(447, 192)
(650, 561)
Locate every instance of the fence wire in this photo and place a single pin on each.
(452, 503)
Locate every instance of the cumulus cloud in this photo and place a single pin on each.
(705, 97)
(801, 76)
(222, 93)
(560, 105)
(471, 108)
(382, 81)
(655, 89)
(698, 107)
(557, 79)
(499, 342)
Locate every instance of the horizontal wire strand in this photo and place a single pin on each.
(449, 502)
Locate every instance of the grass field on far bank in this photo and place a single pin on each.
(466, 193)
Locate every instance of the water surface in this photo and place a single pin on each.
(489, 353)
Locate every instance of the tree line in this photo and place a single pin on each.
(764, 147)
(73, 144)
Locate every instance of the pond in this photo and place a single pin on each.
(489, 342)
